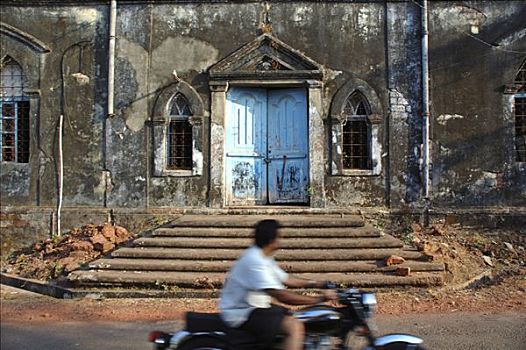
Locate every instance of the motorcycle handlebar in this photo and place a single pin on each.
(343, 294)
(329, 285)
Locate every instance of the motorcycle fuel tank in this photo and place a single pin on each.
(320, 320)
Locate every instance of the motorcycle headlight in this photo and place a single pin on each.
(369, 303)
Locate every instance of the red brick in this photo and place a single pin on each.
(403, 271)
(394, 260)
(108, 231)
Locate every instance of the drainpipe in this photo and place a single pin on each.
(60, 172)
(426, 115)
(111, 57)
(111, 89)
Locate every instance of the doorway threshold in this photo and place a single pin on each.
(275, 206)
(285, 210)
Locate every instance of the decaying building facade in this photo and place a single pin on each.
(228, 104)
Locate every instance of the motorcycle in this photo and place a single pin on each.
(326, 328)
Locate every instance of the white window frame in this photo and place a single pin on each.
(161, 123)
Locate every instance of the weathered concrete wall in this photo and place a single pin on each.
(155, 40)
(18, 180)
(18, 228)
(70, 75)
(473, 122)
(357, 53)
(374, 41)
(150, 52)
(23, 226)
(404, 76)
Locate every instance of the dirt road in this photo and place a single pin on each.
(457, 331)
(31, 321)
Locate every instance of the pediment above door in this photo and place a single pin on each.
(266, 57)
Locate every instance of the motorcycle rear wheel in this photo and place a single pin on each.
(401, 346)
(203, 343)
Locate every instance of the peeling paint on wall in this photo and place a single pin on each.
(80, 15)
(512, 38)
(302, 14)
(485, 183)
(182, 54)
(399, 105)
(443, 118)
(217, 133)
(368, 25)
(135, 112)
(197, 158)
(464, 17)
(182, 18)
(86, 15)
(105, 184)
(80, 78)
(14, 179)
(376, 150)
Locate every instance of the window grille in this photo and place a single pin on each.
(520, 114)
(356, 134)
(14, 106)
(179, 135)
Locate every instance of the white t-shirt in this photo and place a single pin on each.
(244, 286)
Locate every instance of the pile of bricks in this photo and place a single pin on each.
(54, 258)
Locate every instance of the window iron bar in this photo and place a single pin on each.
(520, 128)
(355, 144)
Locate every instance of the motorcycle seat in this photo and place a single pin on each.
(211, 322)
(204, 322)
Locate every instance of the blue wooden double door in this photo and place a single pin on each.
(266, 146)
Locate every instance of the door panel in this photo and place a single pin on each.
(287, 146)
(246, 146)
(266, 146)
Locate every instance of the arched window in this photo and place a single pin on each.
(179, 134)
(356, 121)
(177, 122)
(520, 113)
(14, 121)
(356, 133)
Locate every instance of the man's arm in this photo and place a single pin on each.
(292, 298)
(294, 282)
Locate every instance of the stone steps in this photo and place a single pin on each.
(285, 243)
(233, 221)
(196, 251)
(282, 255)
(288, 232)
(224, 266)
(211, 280)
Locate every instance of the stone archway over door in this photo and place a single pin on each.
(266, 146)
(267, 67)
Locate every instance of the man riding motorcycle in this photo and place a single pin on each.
(251, 284)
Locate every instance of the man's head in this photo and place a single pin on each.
(266, 232)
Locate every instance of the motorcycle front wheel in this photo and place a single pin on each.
(203, 343)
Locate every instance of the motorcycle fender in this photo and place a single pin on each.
(181, 337)
(178, 338)
(385, 340)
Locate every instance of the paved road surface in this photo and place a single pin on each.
(440, 332)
